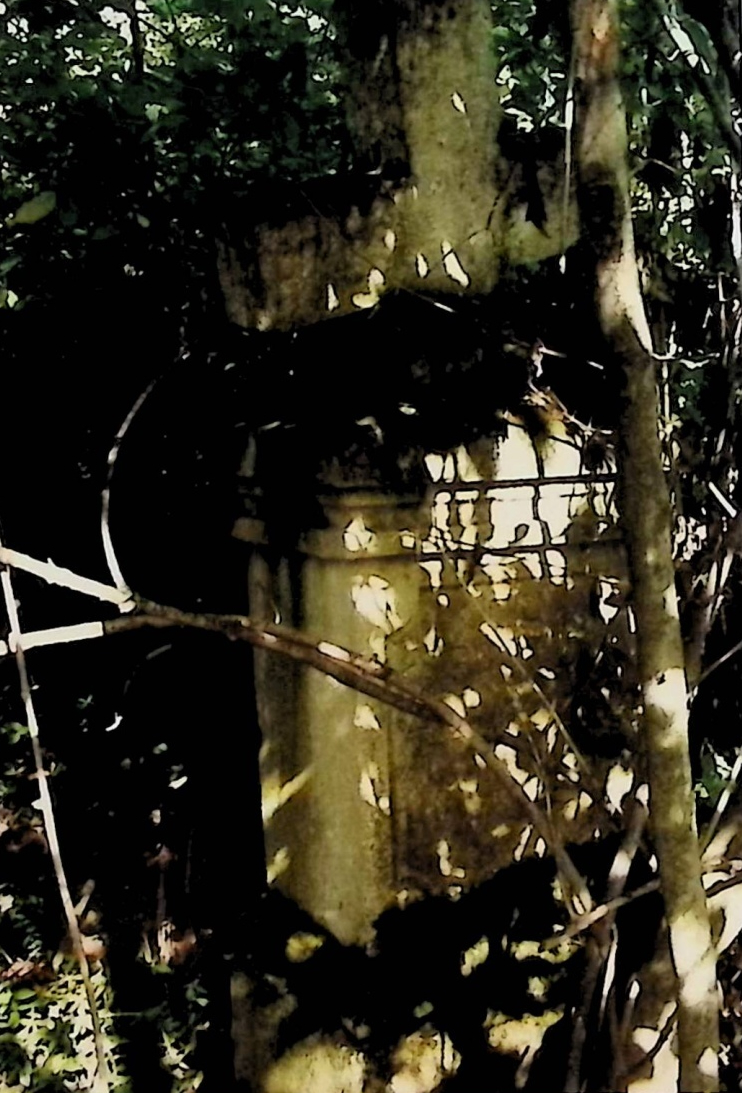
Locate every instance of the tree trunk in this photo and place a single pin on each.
(601, 152)
(429, 208)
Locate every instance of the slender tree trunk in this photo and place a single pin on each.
(601, 152)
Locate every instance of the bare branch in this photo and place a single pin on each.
(584, 922)
(113, 564)
(54, 574)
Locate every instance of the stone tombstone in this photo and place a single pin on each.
(487, 587)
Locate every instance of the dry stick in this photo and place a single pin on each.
(598, 946)
(556, 717)
(112, 561)
(617, 878)
(602, 945)
(718, 663)
(584, 922)
(50, 826)
(54, 574)
(569, 119)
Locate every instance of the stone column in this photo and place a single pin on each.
(327, 757)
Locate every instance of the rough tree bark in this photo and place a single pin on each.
(601, 155)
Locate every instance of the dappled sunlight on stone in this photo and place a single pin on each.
(509, 756)
(434, 464)
(365, 718)
(466, 468)
(277, 865)
(511, 516)
(481, 590)
(317, 1065)
(376, 282)
(577, 804)
(357, 536)
(557, 506)
(557, 567)
(421, 1061)
(453, 266)
(375, 600)
(371, 791)
(516, 455)
(523, 841)
(333, 302)
(433, 643)
(520, 1036)
(608, 588)
(421, 266)
(275, 794)
(472, 957)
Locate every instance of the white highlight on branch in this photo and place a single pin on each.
(54, 574)
(105, 529)
(724, 501)
(58, 635)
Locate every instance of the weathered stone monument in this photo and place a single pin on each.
(481, 586)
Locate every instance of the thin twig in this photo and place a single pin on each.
(102, 1078)
(584, 922)
(113, 565)
(569, 118)
(602, 946)
(54, 574)
(718, 663)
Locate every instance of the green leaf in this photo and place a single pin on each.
(9, 263)
(34, 209)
